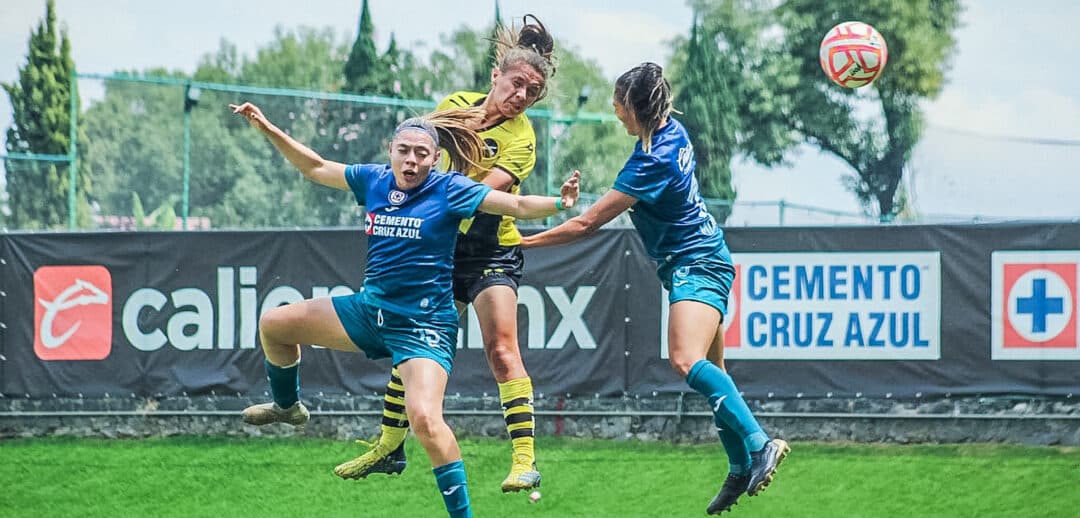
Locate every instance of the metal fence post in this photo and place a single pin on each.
(187, 169)
(73, 132)
(191, 98)
(549, 153)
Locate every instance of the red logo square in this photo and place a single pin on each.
(72, 313)
(1039, 305)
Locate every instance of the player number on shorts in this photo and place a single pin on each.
(429, 336)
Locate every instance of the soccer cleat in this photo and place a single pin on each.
(734, 486)
(523, 475)
(375, 460)
(266, 413)
(763, 464)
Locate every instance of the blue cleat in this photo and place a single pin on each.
(734, 486)
(763, 464)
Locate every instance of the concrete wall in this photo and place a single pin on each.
(1015, 419)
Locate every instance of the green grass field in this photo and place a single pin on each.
(190, 477)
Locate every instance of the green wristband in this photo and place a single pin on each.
(558, 204)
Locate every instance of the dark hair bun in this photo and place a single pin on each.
(536, 37)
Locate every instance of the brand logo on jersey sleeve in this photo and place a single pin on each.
(72, 313)
(1034, 306)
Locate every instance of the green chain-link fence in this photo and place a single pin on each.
(167, 153)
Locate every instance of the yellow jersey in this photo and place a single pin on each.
(511, 146)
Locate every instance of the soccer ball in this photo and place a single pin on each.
(853, 54)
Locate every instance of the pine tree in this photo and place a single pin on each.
(710, 108)
(41, 106)
(364, 73)
(482, 72)
(399, 77)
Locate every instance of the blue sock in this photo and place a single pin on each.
(728, 407)
(451, 480)
(737, 455)
(284, 383)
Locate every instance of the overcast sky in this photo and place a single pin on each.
(1011, 80)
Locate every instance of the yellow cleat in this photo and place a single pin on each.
(376, 460)
(523, 475)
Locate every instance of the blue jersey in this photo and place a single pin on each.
(670, 214)
(411, 236)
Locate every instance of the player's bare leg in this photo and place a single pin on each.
(496, 308)
(281, 330)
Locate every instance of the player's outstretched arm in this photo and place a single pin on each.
(533, 207)
(309, 163)
(604, 210)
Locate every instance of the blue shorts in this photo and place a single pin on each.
(381, 333)
(705, 280)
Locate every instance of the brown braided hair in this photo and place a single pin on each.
(644, 91)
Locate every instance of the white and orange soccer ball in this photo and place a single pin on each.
(853, 54)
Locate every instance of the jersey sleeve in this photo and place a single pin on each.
(642, 178)
(463, 196)
(358, 176)
(519, 157)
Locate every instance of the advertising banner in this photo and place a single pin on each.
(966, 309)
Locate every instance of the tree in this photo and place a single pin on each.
(237, 179)
(920, 38)
(729, 78)
(482, 69)
(597, 148)
(304, 58)
(41, 105)
(364, 71)
(785, 97)
(403, 68)
(707, 98)
(135, 145)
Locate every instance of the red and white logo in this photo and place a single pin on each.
(732, 325)
(72, 312)
(369, 223)
(1034, 306)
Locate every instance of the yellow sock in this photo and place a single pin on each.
(395, 424)
(517, 402)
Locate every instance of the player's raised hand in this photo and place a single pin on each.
(253, 115)
(570, 190)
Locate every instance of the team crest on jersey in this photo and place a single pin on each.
(396, 197)
(492, 147)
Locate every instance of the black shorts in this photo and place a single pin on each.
(477, 268)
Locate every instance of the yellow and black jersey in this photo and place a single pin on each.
(511, 146)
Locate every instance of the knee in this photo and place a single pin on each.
(424, 422)
(273, 323)
(503, 353)
(682, 364)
